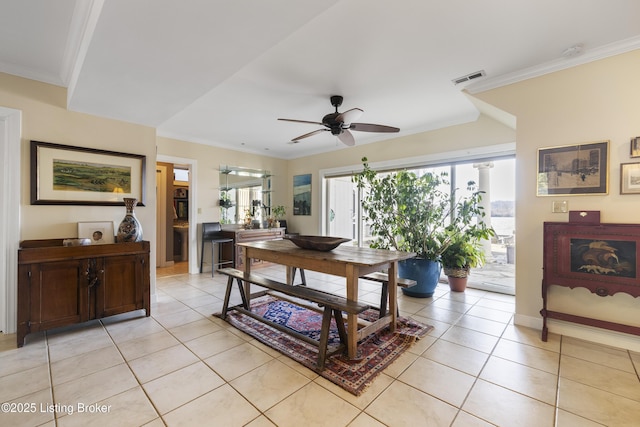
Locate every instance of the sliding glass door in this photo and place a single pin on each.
(493, 176)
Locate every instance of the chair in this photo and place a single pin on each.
(211, 232)
(283, 224)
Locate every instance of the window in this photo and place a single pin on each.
(344, 219)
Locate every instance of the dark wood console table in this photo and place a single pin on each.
(59, 286)
(604, 258)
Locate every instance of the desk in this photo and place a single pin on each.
(346, 261)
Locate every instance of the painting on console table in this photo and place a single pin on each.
(69, 175)
(580, 254)
(604, 257)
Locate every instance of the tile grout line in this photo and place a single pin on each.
(133, 374)
(477, 377)
(183, 344)
(51, 389)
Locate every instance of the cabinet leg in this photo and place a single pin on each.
(545, 330)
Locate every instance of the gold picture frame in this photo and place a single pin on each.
(635, 147)
(581, 169)
(630, 178)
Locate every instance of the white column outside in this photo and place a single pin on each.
(484, 184)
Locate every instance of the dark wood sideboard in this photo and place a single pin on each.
(603, 258)
(60, 286)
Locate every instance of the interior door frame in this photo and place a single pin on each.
(161, 217)
(10, 186)
(194, 268)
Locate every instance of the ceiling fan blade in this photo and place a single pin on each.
(306, 135)
(301, 121)
(346, 138)
(349, 116)
(368, 127)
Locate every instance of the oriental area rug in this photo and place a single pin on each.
(375, 352)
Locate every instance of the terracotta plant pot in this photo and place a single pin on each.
(457, 278)
(457, 284)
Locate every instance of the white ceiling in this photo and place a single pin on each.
(221, 72)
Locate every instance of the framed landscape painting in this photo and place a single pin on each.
(574, 169)
(68, 175)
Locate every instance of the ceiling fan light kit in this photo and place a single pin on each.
(341, 124)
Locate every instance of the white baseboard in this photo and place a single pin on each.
(587, 333)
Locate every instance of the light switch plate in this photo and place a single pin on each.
(560, 206)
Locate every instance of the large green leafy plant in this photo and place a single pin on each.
(412, 213)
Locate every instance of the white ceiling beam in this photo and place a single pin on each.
(83, 24)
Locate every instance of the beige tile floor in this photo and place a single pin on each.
(183, 367)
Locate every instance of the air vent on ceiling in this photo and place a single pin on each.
(469, 77)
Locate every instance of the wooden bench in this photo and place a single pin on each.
(333, 305)
(379, 277)
(384, 279)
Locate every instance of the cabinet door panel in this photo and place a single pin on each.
(59, 295)
(120, 289)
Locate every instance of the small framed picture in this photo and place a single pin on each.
(635, 146)
(630, 178)
(100, 233)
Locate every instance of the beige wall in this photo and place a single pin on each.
(592, 102)
(45, 118)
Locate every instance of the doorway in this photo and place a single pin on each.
(184, 213)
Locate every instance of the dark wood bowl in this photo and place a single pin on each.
(317, 243)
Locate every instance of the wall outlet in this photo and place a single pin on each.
(560, 207)
(199, 210)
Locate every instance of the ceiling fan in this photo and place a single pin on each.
(340, 124)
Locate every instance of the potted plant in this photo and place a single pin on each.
(412, 213)
(278, 213)
(464, 252)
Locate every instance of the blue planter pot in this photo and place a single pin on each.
(425, 272)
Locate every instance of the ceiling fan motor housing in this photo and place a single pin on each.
(330, 122)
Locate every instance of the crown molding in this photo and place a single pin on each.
(595, 54)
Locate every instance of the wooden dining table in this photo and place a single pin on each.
(346, 261)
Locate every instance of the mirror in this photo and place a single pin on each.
(244, 193)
